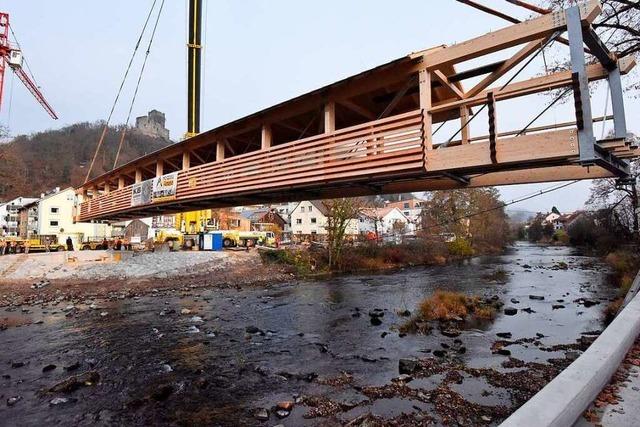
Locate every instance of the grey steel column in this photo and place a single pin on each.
(586, 138)
(617, 102)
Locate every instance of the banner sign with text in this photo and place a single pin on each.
(141, 193)
(164, 187)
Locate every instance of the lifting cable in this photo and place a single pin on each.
(135, 93)
(526, 64)
(124, 78)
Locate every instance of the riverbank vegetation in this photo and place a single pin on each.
(446, 307)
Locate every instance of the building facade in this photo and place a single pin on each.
(10, 215)
(309, 218)
(55, 218)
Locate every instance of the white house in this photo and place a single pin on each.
(55, 217)
(9, 216)
(386, 221)
(309, 218)
(411, 209)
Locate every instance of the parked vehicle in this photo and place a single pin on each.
(234, 238)
(39, 244)
(95, 243)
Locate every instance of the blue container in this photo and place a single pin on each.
(211, 242)
(217, 241)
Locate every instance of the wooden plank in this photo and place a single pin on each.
(508, 65)
(507, 37)
(533, 85)
(446, 83)
(526, 148)
(159, 167)
(357, 108)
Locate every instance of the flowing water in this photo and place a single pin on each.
(214, 357)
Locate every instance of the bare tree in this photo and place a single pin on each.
(618, 26)
(340, 212)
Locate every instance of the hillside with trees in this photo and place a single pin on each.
(31, 164)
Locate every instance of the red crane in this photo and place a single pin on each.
(13, 58)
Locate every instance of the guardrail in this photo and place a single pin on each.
(561, 402)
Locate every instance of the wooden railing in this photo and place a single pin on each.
(388, 147)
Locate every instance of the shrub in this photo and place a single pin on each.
(561, 236)
(444, 305)
(460, 247)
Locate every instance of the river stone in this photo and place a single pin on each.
(407, 366)
(376, 312)
(557, 306)
(439, 353)
(49, 368)
(451, 333)
(262, 414)
(504, 334)
(536, 297)
(515, 301)
(375, 321)
(510, 311)
(503, 352)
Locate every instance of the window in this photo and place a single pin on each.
(406, 213)
(302, 209)
(313, 220)
(53, 223)
(235, 223)
(55, 210)
(310, 208)
(299, 221)
(406, 205)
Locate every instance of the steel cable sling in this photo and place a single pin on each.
(115, 102)
(135, 93)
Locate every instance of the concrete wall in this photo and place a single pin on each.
(566, 397)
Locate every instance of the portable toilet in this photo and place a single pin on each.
(212, 241)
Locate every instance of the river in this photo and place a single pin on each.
(220, 356)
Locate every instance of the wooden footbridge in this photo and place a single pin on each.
(373, 133)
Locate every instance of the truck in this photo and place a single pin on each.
(235, 238)
(166, 235)
(94, 243)
(39, 244)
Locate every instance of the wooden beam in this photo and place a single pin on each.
(266, 137)
(560, 144)
(424, 89)
(357, 108)
(534, 85)
(229, 147)
(523, 53)
(329, 117)
(173, 165)
(159, 167)
(397, 97)
(219, 151)
(138, 175)
(464, 124)
(121, 182)
(446, 83)
(508, 37)
(186, 160)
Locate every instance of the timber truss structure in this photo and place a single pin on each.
(372, 133)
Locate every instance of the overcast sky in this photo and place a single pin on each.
(257, 53)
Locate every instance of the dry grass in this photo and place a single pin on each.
(444, 305)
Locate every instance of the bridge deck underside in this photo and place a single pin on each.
(386, 156)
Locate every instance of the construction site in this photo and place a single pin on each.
(343, 257)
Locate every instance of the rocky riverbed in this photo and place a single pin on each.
(329, 352)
